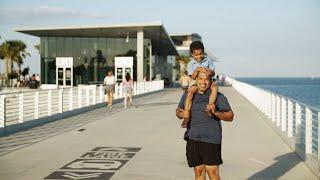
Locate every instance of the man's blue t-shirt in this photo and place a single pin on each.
(203, 127)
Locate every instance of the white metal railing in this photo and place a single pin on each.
(297, 120)
(25, 106)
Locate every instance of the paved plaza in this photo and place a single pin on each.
(144, 142)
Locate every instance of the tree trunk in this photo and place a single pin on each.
(9, 65)
(19, 68)
(5, 65)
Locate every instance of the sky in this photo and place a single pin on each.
(265, 38)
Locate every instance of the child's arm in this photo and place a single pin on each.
(195, 73)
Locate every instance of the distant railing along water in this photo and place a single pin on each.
(297, 120)
(17, 108)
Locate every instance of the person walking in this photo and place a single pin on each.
(109, 81)
(184, 81)
(204, 131)
(127, 85)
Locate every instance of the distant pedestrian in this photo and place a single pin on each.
(38, 79)
(26, 80)
(21, 80)
(127, 85)
(185, 81)
(109, 81)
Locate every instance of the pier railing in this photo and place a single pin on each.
(18, 108)
(296, 121)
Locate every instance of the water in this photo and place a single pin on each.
(305, 90)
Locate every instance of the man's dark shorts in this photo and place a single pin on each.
(199, 153)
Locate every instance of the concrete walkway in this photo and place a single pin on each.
(145, 142)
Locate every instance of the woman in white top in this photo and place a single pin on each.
(109, 81)
(127, 85)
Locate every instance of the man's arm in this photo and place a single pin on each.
(180, 108)
(225, 116)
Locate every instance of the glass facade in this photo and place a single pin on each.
(92, 57)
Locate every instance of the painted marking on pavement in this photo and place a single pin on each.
(99, 163)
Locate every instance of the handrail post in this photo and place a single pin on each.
(49, 102)
(273, 107)
(79, 97)
(36, 105)
(21, 108)
(87, 96)
(318, 136)
(101, 93)
(2, 111)
(283, 114)
(94, 92)
(298, 118)
(71, 99)
(308, 131)
(278, 111)
(60, 100)
(120, 91)
(290, 118)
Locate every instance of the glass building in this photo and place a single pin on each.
(94, 48)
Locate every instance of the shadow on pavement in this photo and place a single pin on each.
(284, 164)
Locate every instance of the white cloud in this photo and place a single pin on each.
(20, 15)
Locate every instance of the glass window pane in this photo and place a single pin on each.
(52, 47)
(68, 47)
(60, 47)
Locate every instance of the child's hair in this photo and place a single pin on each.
(196, 45)
(127, 76)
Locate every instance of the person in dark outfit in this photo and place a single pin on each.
(204, 131)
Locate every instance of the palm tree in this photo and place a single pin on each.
(13, 51)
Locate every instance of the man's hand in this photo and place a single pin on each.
(179, 113)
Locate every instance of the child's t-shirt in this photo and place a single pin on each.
(206, 63)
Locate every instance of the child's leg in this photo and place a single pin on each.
(213, 96)
(214, 92)
(130, 98)
(188, 102)
(125, 100)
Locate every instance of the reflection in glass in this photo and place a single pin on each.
(92, 57)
